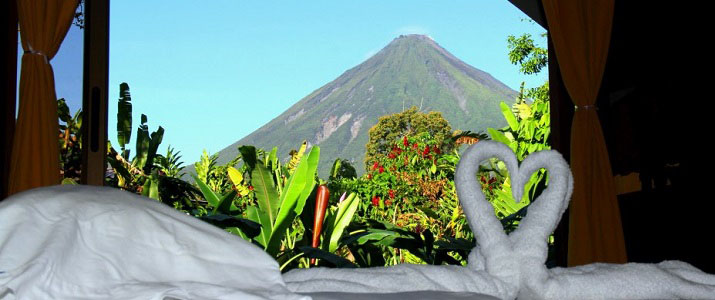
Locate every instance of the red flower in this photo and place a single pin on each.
(382, 169)
(405, 142)
(436, 150)
(483, 179)
(250, 187)
(374, 166)
(426, 151)
(375, 201)
(492, 180)
(388, 202)
(415, 146)
(392, 194)
(391, 155)
(369, 176)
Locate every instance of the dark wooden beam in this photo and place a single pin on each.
(8, 90)
(533, 9)
(95, 86)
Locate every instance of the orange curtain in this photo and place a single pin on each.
(581, 33)
(35, 148)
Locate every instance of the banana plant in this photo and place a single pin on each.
(140, 171)
(70, 141)
(224, 213)
(337, 219)
(276, 210)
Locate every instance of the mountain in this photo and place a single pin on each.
(413, 70)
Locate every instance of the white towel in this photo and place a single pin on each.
(506, 266)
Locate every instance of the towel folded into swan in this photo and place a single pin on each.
(514, 265)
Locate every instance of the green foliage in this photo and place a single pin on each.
(527, 132)
(276, 210)
(70, 140)
(148, 173)
(524, 52)
(170, 164)
(337, 219)
(342, 168)
(409, 122)
(124, 118)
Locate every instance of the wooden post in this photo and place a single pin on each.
(8, 90)
(95, 85)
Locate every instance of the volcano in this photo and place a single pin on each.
(412, 70)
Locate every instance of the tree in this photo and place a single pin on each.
(522, 51)
(394, 127)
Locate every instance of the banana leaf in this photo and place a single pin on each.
(225, 204)
(332, 259)
(313, 160)
(151, 187)
(154, 142)
(142, 145)
(248, 154)
(272, 159)
(367, 255)
(509, 116)
(209, 195)
(266, 194)
(124, 116)
(338, 220)
(256, 215)
(294, 195)
(63, 111)
(250, 228)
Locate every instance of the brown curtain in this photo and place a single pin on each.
(35, 149)
(581, 33)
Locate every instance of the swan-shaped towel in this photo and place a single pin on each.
(494, 267)
(514, 265)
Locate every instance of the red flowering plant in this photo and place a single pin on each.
(409, 185)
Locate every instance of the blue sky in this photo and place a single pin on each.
(211, 72)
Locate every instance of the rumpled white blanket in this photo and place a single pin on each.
(80, 242)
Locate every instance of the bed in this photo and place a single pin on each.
(82, 242)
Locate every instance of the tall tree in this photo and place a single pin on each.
(392, 128)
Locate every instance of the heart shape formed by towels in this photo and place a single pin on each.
(503, 256)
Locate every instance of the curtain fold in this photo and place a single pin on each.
(581, 34)
(35, 149)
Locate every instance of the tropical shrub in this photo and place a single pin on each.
(409, 122)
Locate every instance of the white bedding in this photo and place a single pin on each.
(79, 242)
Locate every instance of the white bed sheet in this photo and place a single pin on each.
(80, 242)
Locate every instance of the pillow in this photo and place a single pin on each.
(104, 243)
